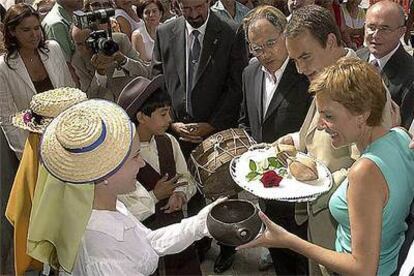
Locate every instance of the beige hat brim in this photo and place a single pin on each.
(98, 163)
(18, 121)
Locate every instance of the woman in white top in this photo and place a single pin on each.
(143, 38)
(127, 18)
(354, 17)
(95, 141)
(30, 65)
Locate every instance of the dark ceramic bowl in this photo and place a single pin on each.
(234, 222)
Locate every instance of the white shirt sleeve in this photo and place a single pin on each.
(176, 237)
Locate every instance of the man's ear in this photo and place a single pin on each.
(140, 117)
(331, 41)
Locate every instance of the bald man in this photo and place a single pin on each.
(384, 26)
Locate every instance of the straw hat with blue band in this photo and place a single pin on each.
(88, 142)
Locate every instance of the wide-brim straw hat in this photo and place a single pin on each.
(88, 142)
(137, 91)
(45, 106)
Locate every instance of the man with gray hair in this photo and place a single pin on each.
(384, 26)
(275, 102)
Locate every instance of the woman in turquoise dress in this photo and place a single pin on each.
(371, 205)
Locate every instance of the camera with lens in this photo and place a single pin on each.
(100, 41)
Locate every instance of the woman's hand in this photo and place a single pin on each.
(273, 236)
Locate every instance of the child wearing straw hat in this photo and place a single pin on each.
(165, 174)
(43, 108)
(94, 141)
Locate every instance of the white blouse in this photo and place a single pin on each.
(116, 243)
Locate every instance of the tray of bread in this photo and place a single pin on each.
(280, 173)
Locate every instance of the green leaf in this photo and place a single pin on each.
(251, 175)
(252, 165)
(274, 162)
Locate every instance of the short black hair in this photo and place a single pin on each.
(317, 20)
(158, 99)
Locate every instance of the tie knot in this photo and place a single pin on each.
(196, 33)
(375, 63)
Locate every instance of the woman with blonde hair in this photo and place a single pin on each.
(95, 142)
(371, 205)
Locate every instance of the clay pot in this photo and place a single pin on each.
(234, 222)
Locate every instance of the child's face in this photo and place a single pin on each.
(159, 121)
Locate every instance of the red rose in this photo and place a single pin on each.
(270, 179)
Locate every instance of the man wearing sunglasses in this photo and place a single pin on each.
(384, 26)
(275, 102)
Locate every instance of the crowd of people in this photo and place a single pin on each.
(103, 101)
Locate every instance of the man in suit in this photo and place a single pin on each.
(384, 26)
(203, 74)
(202, 57)
(275, 102)
(103, 76)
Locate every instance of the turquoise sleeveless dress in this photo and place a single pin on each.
(396, 162)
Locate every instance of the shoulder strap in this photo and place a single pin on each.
(165, 155)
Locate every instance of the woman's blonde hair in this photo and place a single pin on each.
(356, 85)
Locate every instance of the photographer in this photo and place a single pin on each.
(103, 63)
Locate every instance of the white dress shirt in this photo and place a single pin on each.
(383, 61)
(116, 243)
(270, 84)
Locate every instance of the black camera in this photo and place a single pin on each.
(90, 19)
(100, 41)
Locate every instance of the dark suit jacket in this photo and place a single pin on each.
(216, 95)
(398, 76)
(287, 109)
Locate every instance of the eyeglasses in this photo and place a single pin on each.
(380, 30)
(258, 50)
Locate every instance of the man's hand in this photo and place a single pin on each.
(185, 134)
(164, 188)
(102, 62)
(120, 58)
(285, 140)
(175, 203)
(200, 129)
